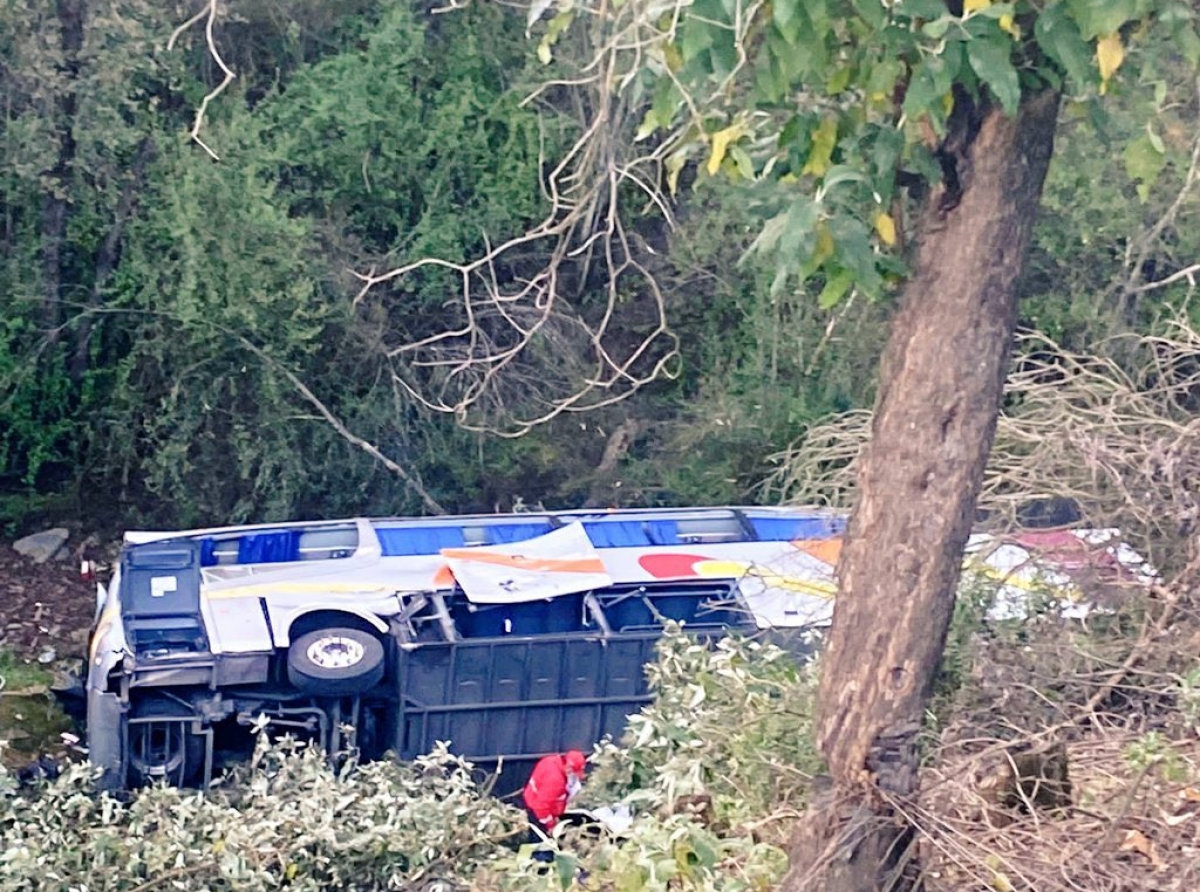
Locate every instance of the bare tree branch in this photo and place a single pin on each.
(209, 15)
(1121, 443)
(530, 349)
(1142, 248)
(344, 432)
(1188, 272)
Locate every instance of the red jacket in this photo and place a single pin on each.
(547, 793)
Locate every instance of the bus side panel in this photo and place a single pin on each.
(516, 699)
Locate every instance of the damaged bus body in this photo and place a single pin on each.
(509, 636)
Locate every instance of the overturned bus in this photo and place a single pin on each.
(509, 636)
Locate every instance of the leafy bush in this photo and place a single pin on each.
(713, 771)
(729, 725)
(286, 820)
(732, 722)
(658, 854)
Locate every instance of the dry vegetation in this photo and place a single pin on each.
(1064, 754)
(1069, 758)
(1116, 432)
(1136, 824)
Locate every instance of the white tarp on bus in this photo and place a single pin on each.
(560, 562)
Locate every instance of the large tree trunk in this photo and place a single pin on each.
(940, 389)
(55, 203)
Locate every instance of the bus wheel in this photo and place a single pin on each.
(164, 750)
(335, 662)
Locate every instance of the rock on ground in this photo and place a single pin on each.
(44, 546)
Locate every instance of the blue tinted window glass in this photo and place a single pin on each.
(269, 548)
(208, 549)
(616, 534)
(407, 541)
(502, 534)
(631, 533)
(786, 529)
(662, 532)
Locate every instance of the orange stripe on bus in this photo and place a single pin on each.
(520, 562)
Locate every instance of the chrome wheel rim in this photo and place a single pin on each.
(335, 652)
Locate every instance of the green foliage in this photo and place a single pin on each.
(414, 145)
(362, 135)
(733, 722)
(1092, 241)
(757, 367)
(660, 855)
(17, 674)
(45, 275)
(288, 821)
(394, 135)
(200, 418)
(36, 403)
(1154, 752)
(729, 727)
(794, 92)
(975, 598)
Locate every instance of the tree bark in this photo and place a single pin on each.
(941, 384)
(107, 257)
(55, 201)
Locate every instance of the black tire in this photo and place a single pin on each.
(165, 749)
(335, 662)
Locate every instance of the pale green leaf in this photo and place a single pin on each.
(1144, 162)
(742, 162)
(873, 12)
(823, 249)
(842, 173)
(674, 164)
(823, 142)
(991, 60)
(1099, 17)
(938, 27)
(647, 127)
(881, 80)
(769, 236)
(838, 80)
(785, 11)
(835, 289)
(1189, 44)
(1155, 139)
(799, 232)
(1061, 40)
(697, 37)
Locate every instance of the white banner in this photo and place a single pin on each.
(561, 562)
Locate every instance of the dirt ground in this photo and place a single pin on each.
(46, 609)
(46, 612)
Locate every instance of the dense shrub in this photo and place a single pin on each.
(286, 820)
(729, 725)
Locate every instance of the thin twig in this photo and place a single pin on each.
(209, 14)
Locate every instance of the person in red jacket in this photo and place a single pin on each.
(555, 779)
